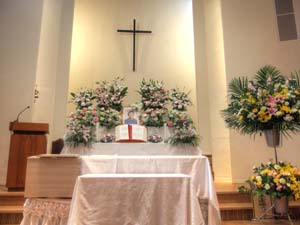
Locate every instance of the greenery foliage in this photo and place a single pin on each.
(269, 101)
(276, 180)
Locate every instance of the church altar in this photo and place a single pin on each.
(133, 149)
(55, 177)
(150, 199)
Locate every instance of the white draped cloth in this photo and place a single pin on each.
(133, 149)
(46, 212)
(195, 166)
(134, 199)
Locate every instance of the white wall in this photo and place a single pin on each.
(217, 89)
(35, 46)
(251, 41)
(19, 40)
(201, 77)
(99, 52)
(53, 66)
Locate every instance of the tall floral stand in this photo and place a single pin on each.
(280, 206)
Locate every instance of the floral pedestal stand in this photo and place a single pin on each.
(273, 140)
(280, 206)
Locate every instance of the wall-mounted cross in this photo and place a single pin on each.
(134, 32)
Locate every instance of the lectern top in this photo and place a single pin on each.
(29, 127)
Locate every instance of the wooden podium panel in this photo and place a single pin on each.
(51, 177)
(27, 139)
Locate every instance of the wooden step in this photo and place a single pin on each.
(234, 206)
(11, 209)
(13, 198)
(11, 214)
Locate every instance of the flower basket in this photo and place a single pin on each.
(269, 104)
(281, 205)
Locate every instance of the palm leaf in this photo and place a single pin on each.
(267, 73)
(296, 76)
(238, 87)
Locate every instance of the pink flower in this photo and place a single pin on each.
(96, 119)
(79, 116)
(279, 188)
(271, 101)
(279, 98)
(170, 124)
(84, 110)
(272, 111)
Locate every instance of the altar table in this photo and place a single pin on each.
(50, 177)
(141, 199)
(133, 149)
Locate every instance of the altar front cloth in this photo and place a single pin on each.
(134, 199)
(60, 176)
(133, 149)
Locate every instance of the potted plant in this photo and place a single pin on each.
(153, 107)
(269, 104)
(278, 180)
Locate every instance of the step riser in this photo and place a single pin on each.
(245, 214)
(12, 200)
(234, 198)
(11, 218)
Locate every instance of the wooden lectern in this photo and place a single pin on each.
(27, 139)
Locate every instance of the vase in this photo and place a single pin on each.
(100, 132)
(272, 138)
(165, 132)
(281, 205)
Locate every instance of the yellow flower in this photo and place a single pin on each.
(285, 109)
(252, 178)
(251, 100)
(265, 171)
(296, 92)
(241, 118)
(259, 183)
(284, 91)
(255, 110)
(276, 180)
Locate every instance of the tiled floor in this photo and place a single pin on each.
(264, 222)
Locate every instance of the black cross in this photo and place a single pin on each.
(134, 32)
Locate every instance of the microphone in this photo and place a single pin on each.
(20, 113)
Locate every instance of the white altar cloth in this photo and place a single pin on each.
(46, 212)
(141, 199)
(133, 149)
(197, 167)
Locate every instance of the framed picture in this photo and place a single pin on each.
(130, 116)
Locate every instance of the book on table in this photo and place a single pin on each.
(131, 133)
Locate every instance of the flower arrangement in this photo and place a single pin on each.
(185, 132)
(110, 94)
(154, 99)
(269, 102)
(180, 99)
(155, 138)
(108, 138)
(179, 119)
(154, 117)
(83, 98)
(276, 180)
(184, 136)
(79, 127)
(109, 118)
